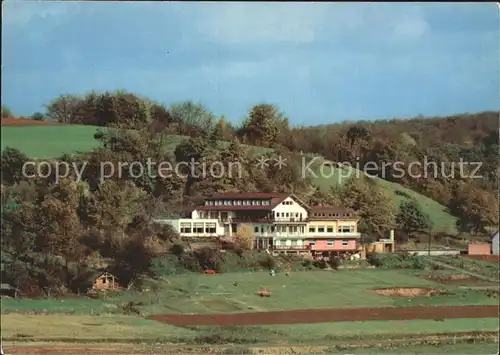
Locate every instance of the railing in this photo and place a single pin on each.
(336, 235)
(290, 247)
(265, 220)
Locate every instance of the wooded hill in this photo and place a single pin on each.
(78, 222)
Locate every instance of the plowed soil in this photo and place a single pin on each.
(329, 315)
(26, 122)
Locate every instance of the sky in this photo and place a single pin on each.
(318, 62)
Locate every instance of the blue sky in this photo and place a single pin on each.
(319, 62)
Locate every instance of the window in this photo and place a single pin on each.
(321, 229)
(294, 229)
(312, 230)
(277, 242)
(339, 230)
(238, 203)
(345, 242)
(330, 243)
(287, 215)
(257, 202)
(210, 228)
(329, 229)
(262, 229)
(256, 229)
(294, 242)
(198, 228)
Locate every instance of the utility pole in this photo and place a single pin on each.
(429, 244)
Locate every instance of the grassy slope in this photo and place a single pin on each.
(43, 142)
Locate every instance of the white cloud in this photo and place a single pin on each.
(256, 22)
(247, 23)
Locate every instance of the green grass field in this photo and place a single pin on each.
(44, 142)
(84, 320)
(198, 293)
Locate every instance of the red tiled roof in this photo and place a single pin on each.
(247, 195)
(326, 208)
(276, 199)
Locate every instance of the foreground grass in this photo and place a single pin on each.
(116, 329)
(236, 293)
(43, 142)
(453, 347)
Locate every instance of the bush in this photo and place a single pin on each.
(267, 262)
(334, 263)
(177, 249)
(167, 265)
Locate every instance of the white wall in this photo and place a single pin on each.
(178, 223)
(291, 209)
(495, 244)
(204, 214)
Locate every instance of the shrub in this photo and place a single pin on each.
(396, 261)
(177, 249)
(267, 262)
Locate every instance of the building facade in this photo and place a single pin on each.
(495, 244)
(280, 222)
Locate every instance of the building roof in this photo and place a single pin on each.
(247, 196)
(330, 209)
(276, 199)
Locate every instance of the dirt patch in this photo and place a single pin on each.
(329, 315)
(26, 122)
(453, 278)
(410, 292)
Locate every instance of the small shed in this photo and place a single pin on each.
(495, 244)
(478, 249)
(104, 281)
(8, 290)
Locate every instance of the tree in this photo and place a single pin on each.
(6, 112)
(376, 210)
(356, 133)
(411, 218)
(37, 116)
(244, 237)
(64, 109)
(261, 126)
(192, 115)
(475, 208)
(11, 166)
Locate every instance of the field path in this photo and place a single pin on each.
(329, 315)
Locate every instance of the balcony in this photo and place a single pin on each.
(290, 247)
(287, 220)
(283, 235)
(333, 235)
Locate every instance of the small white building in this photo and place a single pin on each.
(494, 244)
